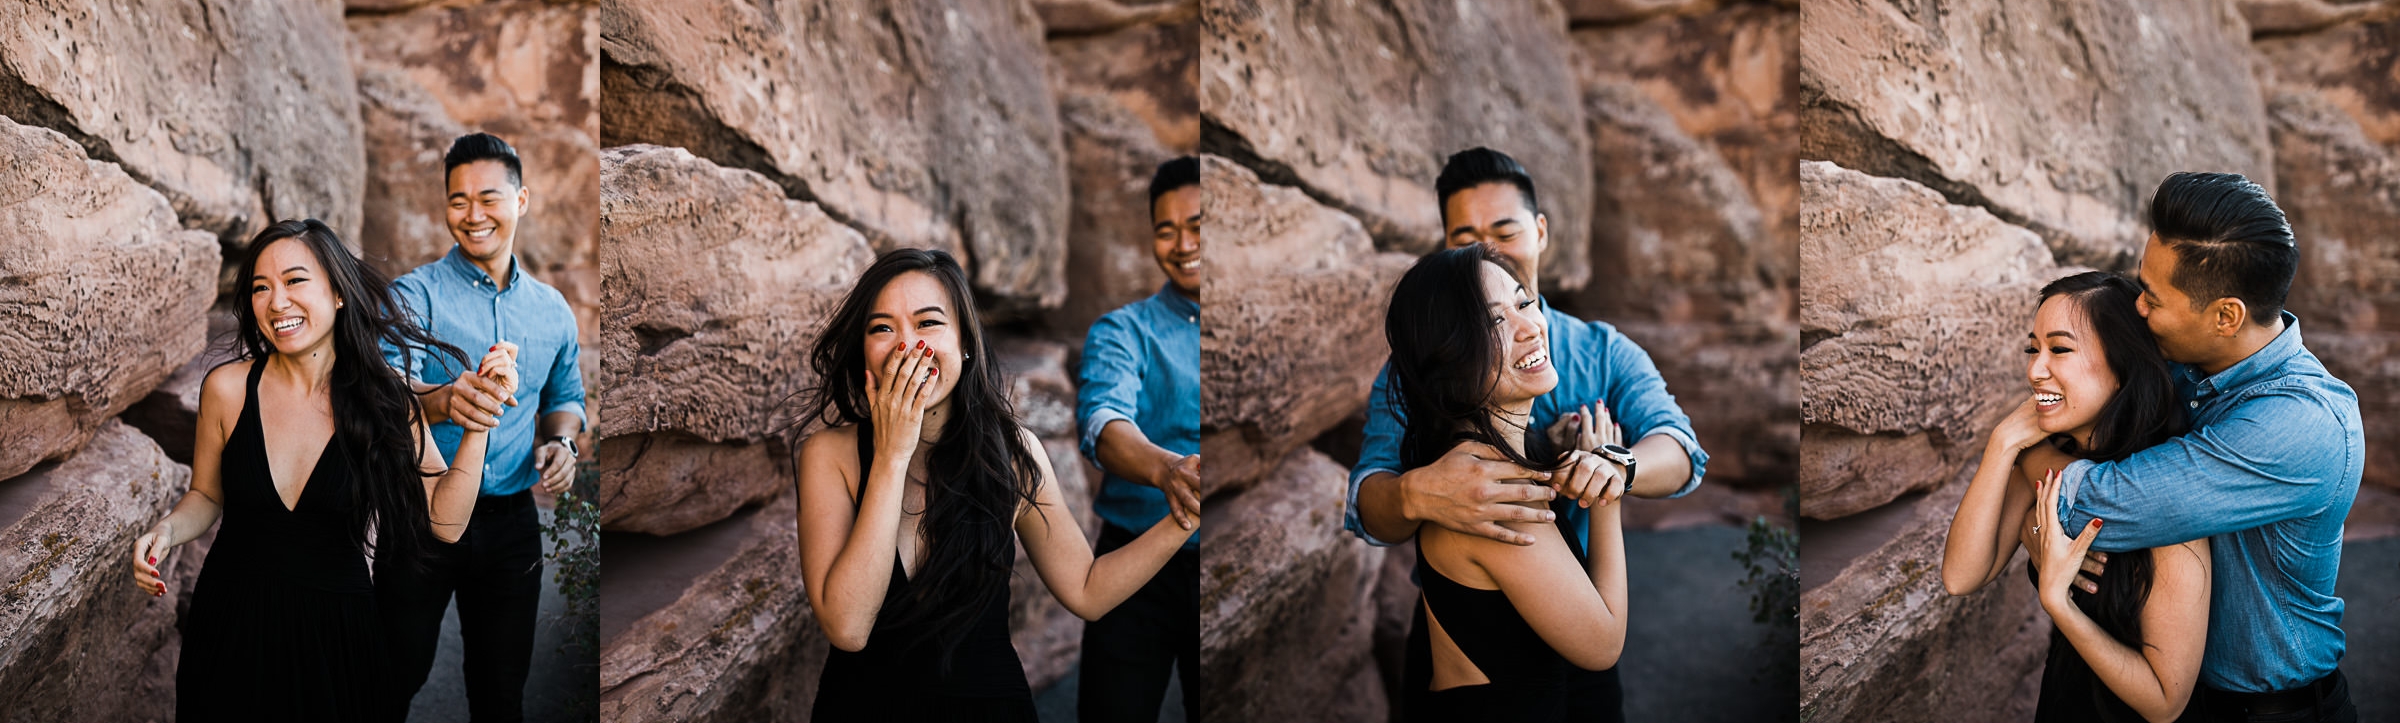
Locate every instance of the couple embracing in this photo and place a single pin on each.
(2179, 478)
(1501, 435)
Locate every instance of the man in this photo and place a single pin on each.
(1488, 198)
(1139, 412)
(477, 298)
(2268, 471)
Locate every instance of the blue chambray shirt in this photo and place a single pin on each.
(1141, 363)
(1595, 363)
(458, 303)
(2267, 473)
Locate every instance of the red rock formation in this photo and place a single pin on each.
(1360, 103)
(716, 287)
(241, 113)
(73, 628)
(102, 294)
(926, 125)
(1291, 333)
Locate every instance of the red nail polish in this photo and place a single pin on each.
(153, 559)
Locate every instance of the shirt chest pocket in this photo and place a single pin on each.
(537, 353)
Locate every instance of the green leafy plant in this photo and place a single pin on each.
(574, 536)
(1773, 579)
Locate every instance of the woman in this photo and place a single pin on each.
(2129, 648)
(908, 500)
(1511, 628)
(304, 441)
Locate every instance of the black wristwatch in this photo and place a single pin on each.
(569, 442)
(1623, 456)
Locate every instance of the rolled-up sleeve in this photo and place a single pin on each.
(1379, 453)
(1111, 380)
(1643, 406)
(2266, 462)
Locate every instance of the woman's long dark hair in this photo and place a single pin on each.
(374, 413)
(979, 471)
(2142, 414)
(1444, 348)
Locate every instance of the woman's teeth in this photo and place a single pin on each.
(1192, 265)
(287, 324)
(1532, 359)
(2048, 398)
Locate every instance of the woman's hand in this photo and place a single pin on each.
(2056, 557)
(147, 551)
(2017, 431)
(500, 364)
(1588, 478)
(897, 402)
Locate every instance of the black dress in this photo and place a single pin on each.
(1529, 680)
(893, 680)
(2071, 692)
(282, 620)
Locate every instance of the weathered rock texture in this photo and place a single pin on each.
(2053, 116)
(717, 285)
(1694, 246)
(922, 124)
(101, 294)
(1913, 310)
(524, 70)
(1288, 602)
(740, 644)
(71, 621)
(1291, 333)
(1884, 641)
(1127, 101)
(2333, 105)
(1360, 103)
(241, 113)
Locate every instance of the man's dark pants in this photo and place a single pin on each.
(495, 569)
(1127, 653)
(2325, 701)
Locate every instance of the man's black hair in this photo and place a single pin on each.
(483, 147)
(1172, 175)
(2230, 240)
(1477, 166)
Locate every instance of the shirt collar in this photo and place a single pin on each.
(2268, 362)
(1175, 301)
(472, 274)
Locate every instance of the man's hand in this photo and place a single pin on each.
(556, 465)
(1180, 479)
(474, 401)
(1468, 491)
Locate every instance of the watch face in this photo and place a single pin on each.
(1617, 451)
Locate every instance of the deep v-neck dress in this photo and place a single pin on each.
(282, 620)
(888, 680)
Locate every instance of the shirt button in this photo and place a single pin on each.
(2195, 404)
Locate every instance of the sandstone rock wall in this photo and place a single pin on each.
(2009, 145)
(739, 208)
